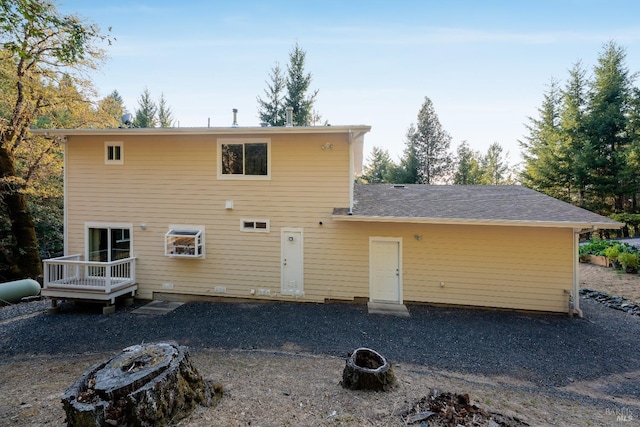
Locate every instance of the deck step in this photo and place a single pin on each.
(388, 308)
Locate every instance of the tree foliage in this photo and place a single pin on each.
(291, 90)
(584, 146)
(44, 56)
(428, 146)
(146, 113)
(379, 167)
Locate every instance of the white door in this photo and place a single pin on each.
(292, 262)
(385, 270)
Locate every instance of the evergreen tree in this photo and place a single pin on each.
(379, 167)
(408, 171)
(541, 149)
(147, 111)
(607, 126)
(298, 82)
(467, 171)
(165, 115)
(431, 144)
(272, 110)
(494, 166)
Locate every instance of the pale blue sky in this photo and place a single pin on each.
(484, 64)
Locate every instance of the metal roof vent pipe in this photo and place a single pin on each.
(289, 116)
(235, 118)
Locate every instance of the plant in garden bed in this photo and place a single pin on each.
(629, 262)
(612, 252)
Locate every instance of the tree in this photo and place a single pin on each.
(298, 82)
(408, 171)
(468, 170)
(147, 111)
(379, 167)
(112, 109)
(431, 144)
(494, 166)
(165, 115)
(272, 110)
(40, 47)
(607, 125)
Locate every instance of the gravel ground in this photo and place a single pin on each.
(543, 350)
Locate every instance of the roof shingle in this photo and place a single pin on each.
(468, 203)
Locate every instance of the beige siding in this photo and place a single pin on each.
(173, 180)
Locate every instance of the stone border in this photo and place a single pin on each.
(612, 301)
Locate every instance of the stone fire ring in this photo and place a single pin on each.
(145, 385)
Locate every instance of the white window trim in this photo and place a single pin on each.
(108, 225)
(222, 141)
(254, 229)
(191, 227)
(108, 144)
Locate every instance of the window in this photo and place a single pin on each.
(114, 153)
(254, 225)
(108, 243)
(185, 242)
(242, 159)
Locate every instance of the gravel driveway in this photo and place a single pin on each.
(543, 349)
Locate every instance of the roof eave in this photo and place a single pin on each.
(202, 130)
(465, 221)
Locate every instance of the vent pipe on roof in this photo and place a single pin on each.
(235, 118)
(289, 117)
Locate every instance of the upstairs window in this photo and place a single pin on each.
(240, 159)
(113, 153)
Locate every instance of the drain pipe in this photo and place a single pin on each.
(576, 270)
(351, 172)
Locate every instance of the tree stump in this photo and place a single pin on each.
(145, 385)
(367, 369)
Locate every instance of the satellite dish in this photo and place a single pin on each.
(127, 119)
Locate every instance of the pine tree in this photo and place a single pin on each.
(408, 171)
(379, 166)
(494, 166)
(146, 113)
(165, 115)
(431, 143)
(272, 110)
(298, 82)
(468, 170)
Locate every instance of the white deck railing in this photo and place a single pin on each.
(72, 273)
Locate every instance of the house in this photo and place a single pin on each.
(272, 213)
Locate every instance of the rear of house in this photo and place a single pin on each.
(272, 213)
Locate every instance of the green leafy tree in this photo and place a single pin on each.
(272, 109)
(146, 113)
(165, 115)
(431, 144)
(39, 48)
(112, 109)
(468, 170)
(379, 167)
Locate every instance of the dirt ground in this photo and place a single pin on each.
(287, 388)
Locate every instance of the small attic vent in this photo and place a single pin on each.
(399, 186)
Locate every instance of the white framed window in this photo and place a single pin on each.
(184, 242)
(114, 153)
(254, 225)
(107, 242)
(244, 158)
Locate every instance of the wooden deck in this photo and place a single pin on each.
(71, 278)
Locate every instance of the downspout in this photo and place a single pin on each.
(351, 172)
(576, 270)
(576, 278)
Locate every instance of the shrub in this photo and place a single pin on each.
(612, 252)
(628, 260)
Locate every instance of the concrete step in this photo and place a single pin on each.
(157, 308)
(388, 309)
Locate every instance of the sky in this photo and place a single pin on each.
(485, 65)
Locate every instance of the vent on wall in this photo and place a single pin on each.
(399, 186)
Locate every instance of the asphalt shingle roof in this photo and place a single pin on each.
(468, 203)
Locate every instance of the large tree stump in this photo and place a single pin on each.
(367, 369)
(145, 385)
